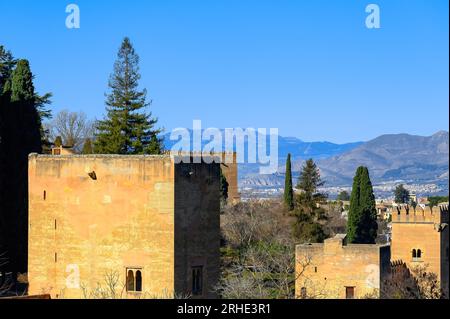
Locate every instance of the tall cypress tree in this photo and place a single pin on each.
(127, 128)
(7, 64)
(21, 136)
(288, 190)
(362, 218)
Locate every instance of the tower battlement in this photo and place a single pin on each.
(407, 214)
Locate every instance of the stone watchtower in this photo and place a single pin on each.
(420, 237)
(124, 226)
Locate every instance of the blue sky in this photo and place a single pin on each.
(308, 67)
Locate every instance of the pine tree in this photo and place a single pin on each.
(127, 128)
(307, 227)
(288, 190)
(362, 218)
(87, 147)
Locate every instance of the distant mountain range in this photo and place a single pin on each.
(393, 157)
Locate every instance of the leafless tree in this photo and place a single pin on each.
(5, 281)
(73, 127)
(261, 262)
(411, 283)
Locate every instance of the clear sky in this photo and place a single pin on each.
(308, 67)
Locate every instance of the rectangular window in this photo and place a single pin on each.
(349, 292)
(197, 280)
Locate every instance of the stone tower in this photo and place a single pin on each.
(130, 226)
(420, 237)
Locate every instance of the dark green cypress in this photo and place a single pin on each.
(127, 128)
(288, 190)
(362, 218)
(21, 136)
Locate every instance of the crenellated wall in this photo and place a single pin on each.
(425, 230)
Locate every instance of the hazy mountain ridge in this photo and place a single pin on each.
(410, 158)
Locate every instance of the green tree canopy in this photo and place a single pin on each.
(127, 128)
(362, 218)
(87, 147)
(309, 214)
(343, 196)
(58, 141)
(401, 195)
(20, 136)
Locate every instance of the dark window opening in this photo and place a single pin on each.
(349, 292)
(414, 253)
(419, 253)
(45, 195)
(315, 269)
(197, 280)
(56, 257)
(138, 280)
(134, 280)
(130, 280)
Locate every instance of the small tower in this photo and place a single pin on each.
(421, 237)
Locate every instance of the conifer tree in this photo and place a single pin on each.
(127, 128)
(307, 227)
(87, 147)
(362, 217)
(288, 190)
(21, 135)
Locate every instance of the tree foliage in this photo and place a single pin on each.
(362, 217)
(401, 195)
(288, 190)
(223, 189)
(343, 196)
(87, 147)
(127, 127)
(21, 134)
(309, 214)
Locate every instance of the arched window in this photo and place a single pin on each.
(414, 254)
(419, 254)
(130, 280)
(138, 280)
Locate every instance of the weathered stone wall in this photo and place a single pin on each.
(197, 226)
(230, 171)
(82, 229)
(424, 230)
(325, 270)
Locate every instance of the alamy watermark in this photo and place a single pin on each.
(73, 19)
(261, 145)
(373, 20)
